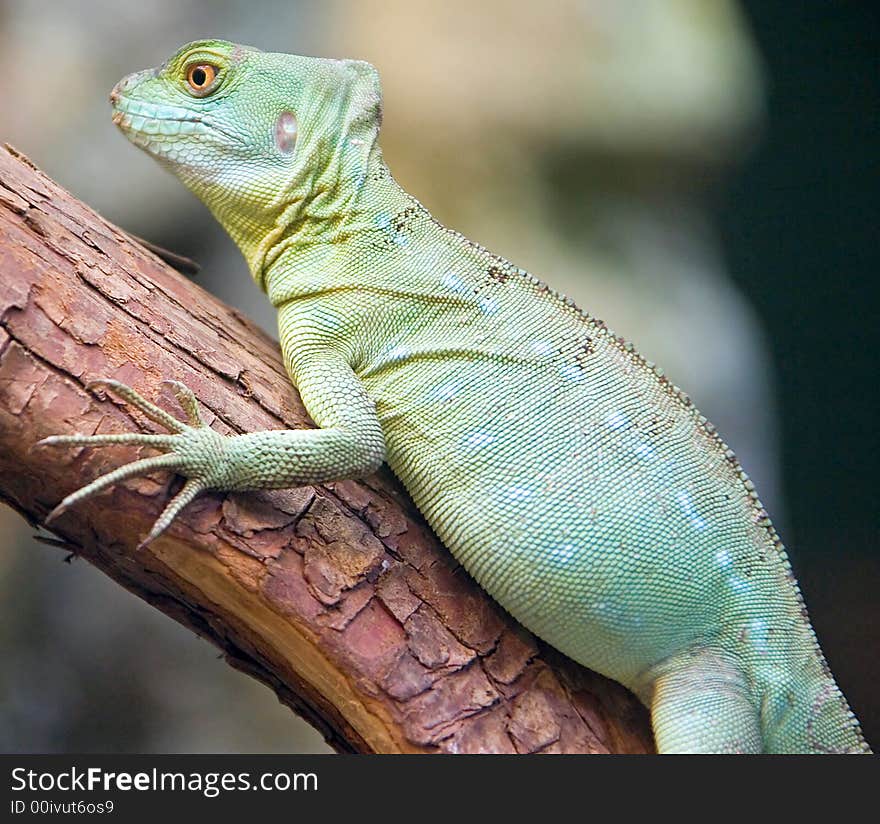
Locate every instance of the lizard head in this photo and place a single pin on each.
(267, 141)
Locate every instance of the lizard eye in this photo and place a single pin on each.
(200, 77)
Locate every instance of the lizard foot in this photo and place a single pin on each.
(193, 450)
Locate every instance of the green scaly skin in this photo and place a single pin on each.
(577, 485)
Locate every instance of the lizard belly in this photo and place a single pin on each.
(588, 510)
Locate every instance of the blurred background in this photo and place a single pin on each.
(700, 174)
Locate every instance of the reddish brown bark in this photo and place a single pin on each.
(338, 596)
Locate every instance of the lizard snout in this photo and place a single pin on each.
(128, 83)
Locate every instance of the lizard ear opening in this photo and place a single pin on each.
(286, 130)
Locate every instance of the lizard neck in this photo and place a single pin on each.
(309, 251)
(319, 194)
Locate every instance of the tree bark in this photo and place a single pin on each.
(337, 596)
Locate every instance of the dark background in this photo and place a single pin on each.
(803, 212)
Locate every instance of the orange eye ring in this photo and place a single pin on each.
(200, 77)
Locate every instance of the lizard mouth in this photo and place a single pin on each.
(159, 128)
(148, 119)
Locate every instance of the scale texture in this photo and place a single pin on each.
(578, 486)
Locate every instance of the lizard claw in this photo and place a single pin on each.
(153, 412)
(131, 438)
(184, 451)
(191, 489)
(187, 400)
(59, 510)
(130, 470)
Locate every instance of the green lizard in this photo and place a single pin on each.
(580, 488)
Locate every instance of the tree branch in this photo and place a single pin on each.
(339, 597)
